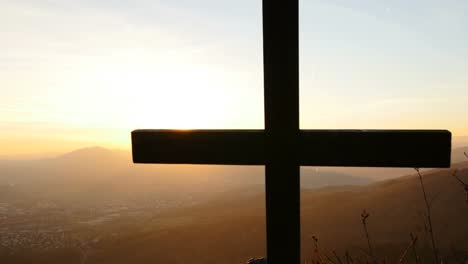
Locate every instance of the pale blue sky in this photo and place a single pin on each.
(80, 72)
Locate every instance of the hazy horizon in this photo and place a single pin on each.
(457, 142)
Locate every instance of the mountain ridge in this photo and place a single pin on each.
(98, 164)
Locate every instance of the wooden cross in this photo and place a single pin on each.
(282, 147)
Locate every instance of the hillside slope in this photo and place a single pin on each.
(232, 227)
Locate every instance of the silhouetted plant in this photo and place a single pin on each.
(323, 258)
(330, 260)
(407, 249)
(316, 250)
(414, 239)
(364, 216)
(257, 261)
(349, 259)
(429, 218)
(337, 257)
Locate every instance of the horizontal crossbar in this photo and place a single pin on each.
(360, 148)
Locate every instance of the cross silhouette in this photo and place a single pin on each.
(282, 147)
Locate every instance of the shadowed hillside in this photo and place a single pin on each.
(333, 214)
(234, 227)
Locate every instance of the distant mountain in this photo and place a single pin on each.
(379, 174)
(100, 165)
(93, 154)
(458, 142)
(90, 165)
(313, 177)
(97, 165)
(458, 155)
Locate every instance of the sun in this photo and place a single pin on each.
(169, 98)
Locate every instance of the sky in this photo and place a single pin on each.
(78, 73)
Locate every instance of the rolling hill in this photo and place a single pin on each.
(232, 226)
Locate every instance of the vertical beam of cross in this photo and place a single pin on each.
(281, 84)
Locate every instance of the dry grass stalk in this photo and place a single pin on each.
(364, 216)
(414, 239)
(410, 245)
(317, 254)
(349, 260)
(337, 257)
(330, 260)
(429, 218)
